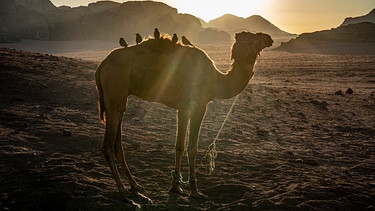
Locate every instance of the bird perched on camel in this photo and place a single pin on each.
(174, 38)
(185, 41)
(178, 76)
(123, 43)
(156, 33)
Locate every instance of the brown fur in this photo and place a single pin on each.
(100, 92)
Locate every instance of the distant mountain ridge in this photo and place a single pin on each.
(103, 20)
(370, 17)
(37, 5)
(102, 6)
(255, 23)
(352, 38)
(107, 20)
(354, 35)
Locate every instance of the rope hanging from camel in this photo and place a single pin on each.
(211, 151)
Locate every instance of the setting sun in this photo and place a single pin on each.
(293, 16)
(212, 9)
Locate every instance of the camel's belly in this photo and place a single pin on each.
(171, 93)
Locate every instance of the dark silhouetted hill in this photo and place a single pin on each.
(22, 19)
(40, 6)
(352, 38)
(104, 20)
(102, 6)
(370, 17)
(255, 23)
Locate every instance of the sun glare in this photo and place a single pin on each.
(211, 9)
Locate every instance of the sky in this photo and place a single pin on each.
(294, 16)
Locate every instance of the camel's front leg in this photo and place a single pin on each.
(195, 125)
(182, 121)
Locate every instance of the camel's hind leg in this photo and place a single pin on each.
(120, 156)
(114, 83)
(121, 159)
(108, 148)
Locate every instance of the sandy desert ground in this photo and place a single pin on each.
(295, 140)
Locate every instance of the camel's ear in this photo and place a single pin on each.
(237, 36)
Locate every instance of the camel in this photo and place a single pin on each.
(178, 76)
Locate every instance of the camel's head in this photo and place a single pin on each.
(260, 40)
(248, 45)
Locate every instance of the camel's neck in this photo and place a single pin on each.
(233, 83)
(241, 71)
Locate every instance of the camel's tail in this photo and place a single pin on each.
(100, 91)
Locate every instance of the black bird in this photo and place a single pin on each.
(138, 38)
(174, 38)
(185, 41)
(123, 42)
(157, 33)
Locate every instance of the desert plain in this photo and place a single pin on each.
(300, 137)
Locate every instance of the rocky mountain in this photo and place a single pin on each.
(104, 20)
(41, 6)
(102, 6)
(370, 17)
(354, 35)
(255, 23)
(352, 38)
(24, 19)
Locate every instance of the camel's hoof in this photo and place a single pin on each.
(125, 193)
(126, 196)
(141, 198)
(136, 205)
(177, 190)
(198, 195)
(137, 188)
